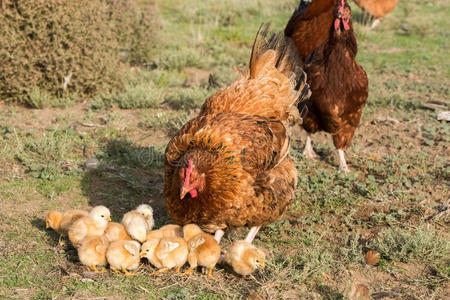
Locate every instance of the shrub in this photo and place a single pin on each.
(55, 48)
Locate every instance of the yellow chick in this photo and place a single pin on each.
(61, 221)
(115, 232)
(244, 257)
(93, 225)
(165, 253)
(92, 252)
(123, 255)
(147, 211)
(204, 250)
(137, 222)
(170, 230)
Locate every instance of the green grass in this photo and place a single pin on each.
(399, 159)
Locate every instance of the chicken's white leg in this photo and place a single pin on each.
(342, 163)
(308, 150)
(252, 233)
(375, 23)
(218, 235)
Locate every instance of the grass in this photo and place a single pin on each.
(390, 203)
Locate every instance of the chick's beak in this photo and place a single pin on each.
(47, 225)
(142, 255)
(260, 263)
(108, 219)
(147, 216)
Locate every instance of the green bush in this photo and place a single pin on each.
(55, 49)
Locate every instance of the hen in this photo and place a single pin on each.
(309, 25)
(339, 86)
(230, 166)
(377, 8)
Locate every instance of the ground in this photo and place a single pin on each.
(394, 202)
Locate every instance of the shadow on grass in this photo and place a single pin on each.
(126, 176)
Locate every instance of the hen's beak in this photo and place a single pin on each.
(183, 192)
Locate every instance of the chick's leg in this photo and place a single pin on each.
(160, 271)
(126, 273)
(177, 270)
(308, 150)
(188, 271)
(210, 271)
(94, 267)
(342, 163)
(252, 233)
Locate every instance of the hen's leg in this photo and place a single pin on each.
(375, 23)
(342, 163)
(308, 150)
(252, 233)
(218, 235)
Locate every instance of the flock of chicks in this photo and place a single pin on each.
(100, 242)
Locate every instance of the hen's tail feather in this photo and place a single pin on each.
(287, 61)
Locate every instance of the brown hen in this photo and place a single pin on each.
(376, 8)
(230, 166)
(339, 85)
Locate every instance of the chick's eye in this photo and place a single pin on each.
(102, 216)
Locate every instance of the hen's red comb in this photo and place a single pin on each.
(188, 173)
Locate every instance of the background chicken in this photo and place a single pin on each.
(310, 25)
(338, 83)
(230, 166)
(377, 8)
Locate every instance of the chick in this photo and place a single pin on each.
(136, 222)
(204, 250)
(115, 232)
(61, 221)
(123, 255)
(165, 253)
(147, 211)
(92, 225)
(170, 230)
(244, 257)
(92, 252)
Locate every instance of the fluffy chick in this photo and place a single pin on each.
(170, 230)
(204, 250)
(165, 253)
(147, 211)
(61, 221)
(92, 252)
(123, 255)
(92, 225)
(244, 257)
(136, 222)
(115, 232)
